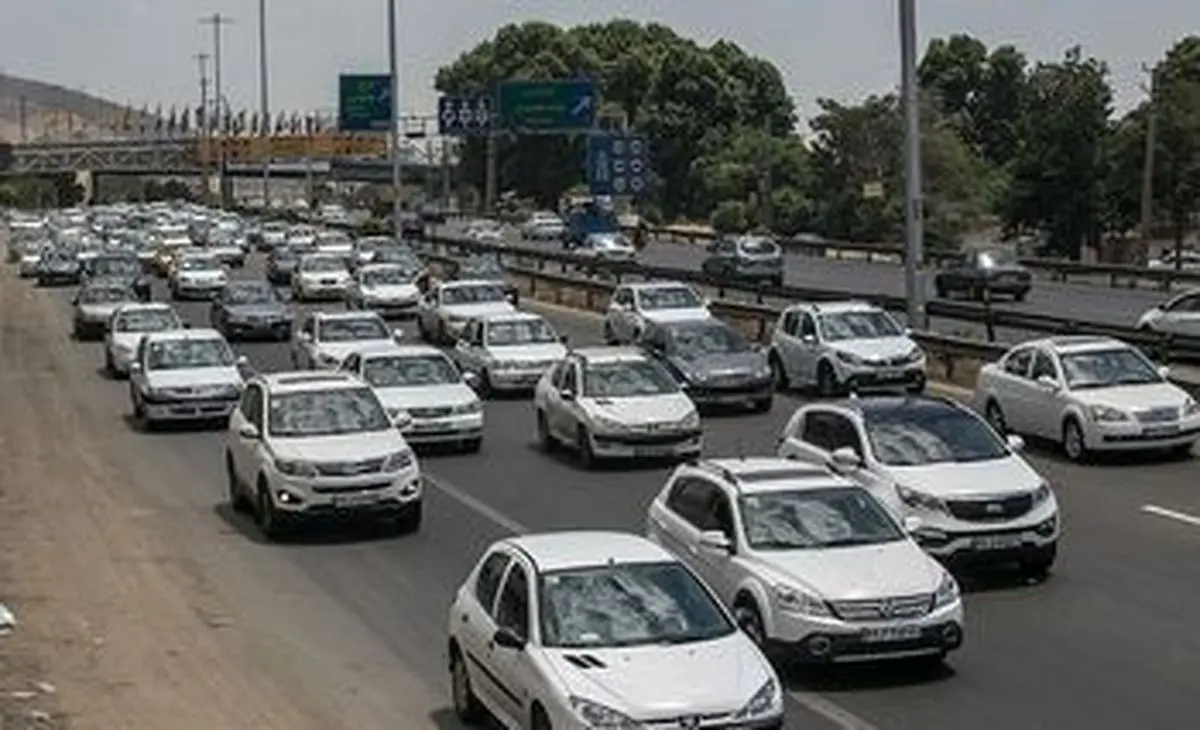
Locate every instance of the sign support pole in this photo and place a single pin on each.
(489, 190)
(394, 127)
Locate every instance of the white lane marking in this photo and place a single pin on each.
(1171, 514)
(841, 718)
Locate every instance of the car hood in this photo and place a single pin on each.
(876, 348)
(1133, 397)
(347, 447)
(468, 311)
(721, 365)
(970, 479)
(428, 396)
(205, 275)
(392, 291)
(257, 310)
(193, 377)
(99, 311)
(642, 409)
(665, 681)
(897, 568)
(340, 275)
(342, 350)
(683, 314)
(548, 352)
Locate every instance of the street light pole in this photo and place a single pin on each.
(205, 124)
(394, 67)
(913, 212)
(216, 21)
(265, 108)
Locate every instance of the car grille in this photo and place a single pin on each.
(1158, 415)
(883, 609)
(438, 412)
(900, 360)
(1003, 507)
(714, 721)
(728, 379)
(349, 468)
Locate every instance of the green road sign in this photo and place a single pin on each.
(547, 107)
(364, 102)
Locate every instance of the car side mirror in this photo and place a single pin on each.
(912, 524)
(241, 361)
(845, 459)
(472, 380)
(808, 339)
(1048, 381)
(707, 302)
(135, 367)
(1164, 371)
(566, 394)
(565, 339)
(507, 639)
(249, 432)
(398, 334)
(716, 540)
(402, 420)
(908, 331)
(1015, 442)
(304, 336)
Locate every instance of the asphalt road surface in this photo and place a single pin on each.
(1110, 641)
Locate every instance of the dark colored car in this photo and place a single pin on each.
(752, 259)
(281, 263)
(249, 310)
(485, 267)
(412, 225)
(59, 266)
(980, 272)
(94, 305)
(123, 266)
(432, 215)
(714, 363)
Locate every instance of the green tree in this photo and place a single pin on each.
(770, 173)
(1177, 152)
(1059, 174)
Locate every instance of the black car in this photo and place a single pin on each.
(714, 363)
(412, 225)
(984, 271)
(59, 266)
(122, 266)
(432, 215)
(251, 309)
(487, 268)
(281, 263)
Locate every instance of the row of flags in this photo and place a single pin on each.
(190, 121)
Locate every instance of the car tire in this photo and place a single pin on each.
(283, 334)
(749, 619)
(1073, 443)
(110, 368)
(827, 384)
(237, 500)
(777, 281)
(994, 415)
(545, 438)
(270, 522)
(467, 707)
(762, 405)
(1182, 452)
(940, 290)
(779, 373)
(583, 443)
(141, 418)
(1039, 566)
(1020, 296)
(538, 719)
(609, 338)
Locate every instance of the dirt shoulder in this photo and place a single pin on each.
(121, 631)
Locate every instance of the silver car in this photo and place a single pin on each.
(713, 362)
(95, 303)
(509, 352)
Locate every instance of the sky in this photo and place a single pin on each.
(141, 51)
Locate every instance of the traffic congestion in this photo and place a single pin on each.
(846, 539)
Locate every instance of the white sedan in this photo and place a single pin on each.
(1179, 315)
(126, 328)
(611, 402)
(634, 306)
(1089, 394)
(326, 339)
(578, 630)
(447, 307)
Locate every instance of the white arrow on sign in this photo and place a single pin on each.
(582, 105)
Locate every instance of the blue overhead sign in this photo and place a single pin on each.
(364, 102)
(617, 164)
(464, 115)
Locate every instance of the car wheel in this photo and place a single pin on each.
(762, 405)
(237, 500)
(779, 373)
(141, 417)
(827, 384)
(538, 719)
(1182, 452)
(545, 439)
(749, 620)
(1073, 441)
(1038, 566)
(270, 522)
(485, 383)
(583, 442)
(940, 290)
(110, 368)
(466, 704)
(777, 281)
(1020, 296)
(609, 337)
(995, 417)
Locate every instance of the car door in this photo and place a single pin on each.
(515, 673)
(1043, 406)
(619, 311)
(468, 351)
(565, 414)
(807, 349)
(1182, 316)
(1014, 391)
(717, 563)
(243, 450)
(677, 525)
(302, 345)
(475, 627)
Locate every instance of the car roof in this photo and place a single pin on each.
(550, 551)
(867, 405)
(189, 335)
(517, 316)
(328, 316)
(296, 381)
(659, 284)
(1079, 343)
(606, 354)
(772, 474)
(847, 305)
(386, 266)
(390, 349)
(463, 283)
(144, 307)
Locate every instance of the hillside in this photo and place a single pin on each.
(55, 113)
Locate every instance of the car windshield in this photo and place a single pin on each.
(858, 325)
(628, 379)
(387, 277)
(348, 329)
(759, 247)
(627, 604)
(393, 254)
(473, 294)
(145, 320)
(115, 266)
(334, 239)
(250, 294)
(931, 435)
(997, 257)
(691, 341)
(1107, 368)
(409, 371)
(326, 413)
(105, 295)
(519, 332)
(815, 518)
(322, 264)
(481, 269)
(669, 297)
(198, 263)
(184, 354)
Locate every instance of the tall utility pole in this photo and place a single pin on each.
(205, 124)
(914, 225)
(263, 98)
(23, 117)
(217, 21)
(1147, 217)
(397, 161)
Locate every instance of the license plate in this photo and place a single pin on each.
(355, 500)
(328, 282)
(431, 425)
(1161, 430)
(649, 451)
(892, 633)
(996, 542)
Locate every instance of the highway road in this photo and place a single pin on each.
(1108, 642)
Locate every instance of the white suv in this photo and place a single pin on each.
(579, 630)
(813, 567)
(302, 446)
(976, 499)
(839, 347)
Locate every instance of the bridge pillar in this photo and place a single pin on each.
(87, 181)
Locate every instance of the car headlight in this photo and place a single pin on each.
(399, 461)
(920, 500)
(764, 701)
(467, 408)
(604, 423)
(1108, 414)
(229, 390)
(601, 716)
(295, 468)
(1190, 408)
(798, 602)
(850, 358)
(1041, 494)
(915, 355)
(947, 592)
(326, 359)
(690, 421)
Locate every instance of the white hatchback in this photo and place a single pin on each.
(580, 630)
(634, 306)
